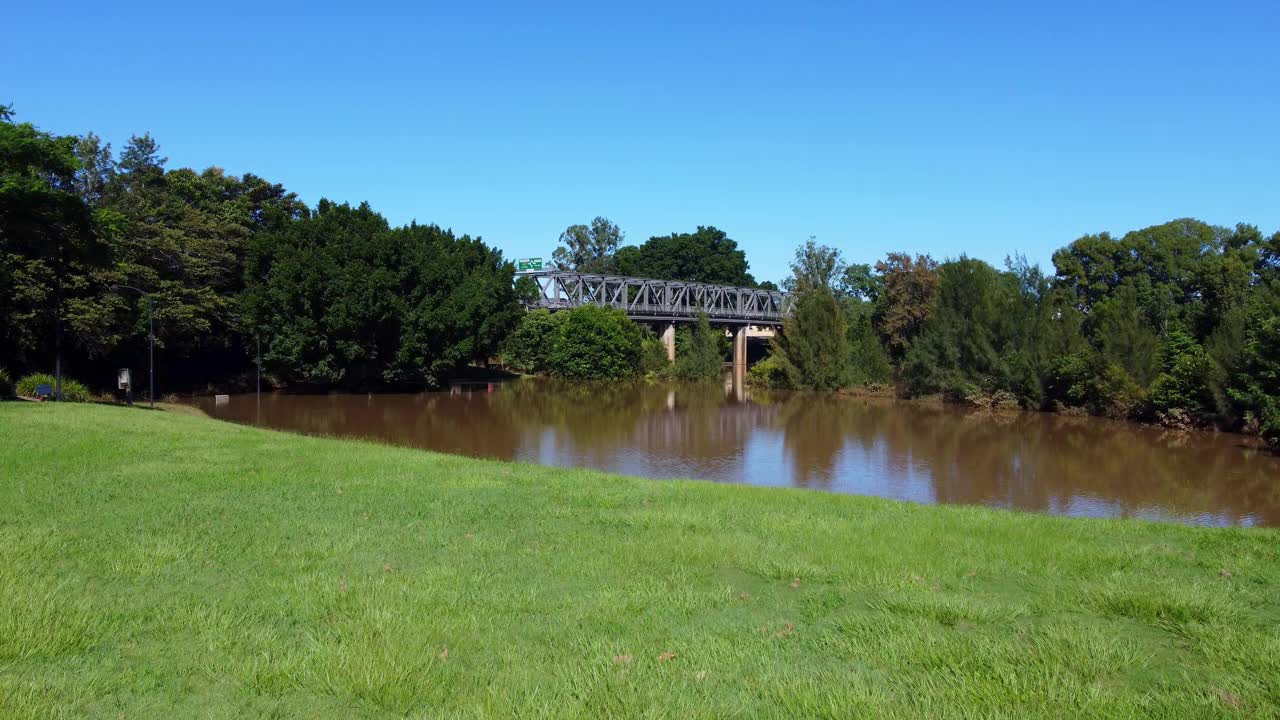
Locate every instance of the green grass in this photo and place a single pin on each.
(158, 565)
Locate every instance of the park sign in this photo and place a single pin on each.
(526, 264)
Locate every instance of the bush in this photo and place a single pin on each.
(769, 372)
(528, 347)
(1118, 395)
(1271, 427)
(6, 384)
(1180, 395)
(596, 343)
(72, 390)
(1070, 382)
(699, 360)
(966, 393)
(653, 357)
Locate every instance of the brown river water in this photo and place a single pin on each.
(907, 451)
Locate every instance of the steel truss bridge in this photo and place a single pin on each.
(660, 300)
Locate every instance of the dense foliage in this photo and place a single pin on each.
(345, 299)
(6, 384)
(596, 343)
(1177, 324)
(699, 359)
(588, 248)
(89, 240)
(50, 253)
(706, 255)
(528, 347)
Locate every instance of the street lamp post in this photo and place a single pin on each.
(151, 331)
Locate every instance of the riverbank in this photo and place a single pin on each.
(157, 565)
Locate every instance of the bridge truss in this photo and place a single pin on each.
(671, 300)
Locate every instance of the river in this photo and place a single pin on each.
(919, 452)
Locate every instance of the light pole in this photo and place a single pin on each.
(151, 330)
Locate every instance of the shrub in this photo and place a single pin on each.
(653, 357)
(72, 390)
(1119, 396)
(770, 372)
(596, 343)
(699, 360)
(1070, 381)
(1180, 395)
(6, 384)
(1088, 380)
(529, 346)
(1271, 427)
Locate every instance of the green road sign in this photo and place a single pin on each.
(524, 264)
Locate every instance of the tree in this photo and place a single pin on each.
(699, 360)
(588, 248)
(1125, 337)
(50, 247)
(869, 361)
(352, 302)
(813, 347)
(597, 343)
(815, 267)
(965, 341)
(861, 282)
(706, 255)
(910, 287)
(528, 347)
(184, 239)
(1180, 395)
(97, 168)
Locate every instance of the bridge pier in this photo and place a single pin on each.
(669, 341)
(739, 356)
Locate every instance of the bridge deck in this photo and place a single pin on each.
(647, 299)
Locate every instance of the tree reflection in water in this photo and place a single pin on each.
(911, 451)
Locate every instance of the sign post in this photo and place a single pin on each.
(124, 381)
(527, 264)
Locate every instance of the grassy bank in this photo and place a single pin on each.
(162, 565)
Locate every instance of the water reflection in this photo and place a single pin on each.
(923, 453)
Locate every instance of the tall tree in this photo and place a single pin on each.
(1125, 337)
(588, 248)
(49, 246)
(910, 287)
(706, 255)
(813, 346)
(815, 267)
(97, 168)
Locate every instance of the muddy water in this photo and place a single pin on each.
(923, 453)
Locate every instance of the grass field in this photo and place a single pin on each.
(160, 565)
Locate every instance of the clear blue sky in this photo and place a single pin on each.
(940, 128)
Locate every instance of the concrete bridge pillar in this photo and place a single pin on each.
(669, 341)
(739, 355)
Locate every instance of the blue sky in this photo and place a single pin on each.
(940, 128)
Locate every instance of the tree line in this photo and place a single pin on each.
(236, 267)
(1177, 323)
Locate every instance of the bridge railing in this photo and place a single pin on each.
(647, 299)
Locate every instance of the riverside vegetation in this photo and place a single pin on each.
(159, 565)
(1177, 323)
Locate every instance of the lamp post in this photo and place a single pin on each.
(151, 331)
